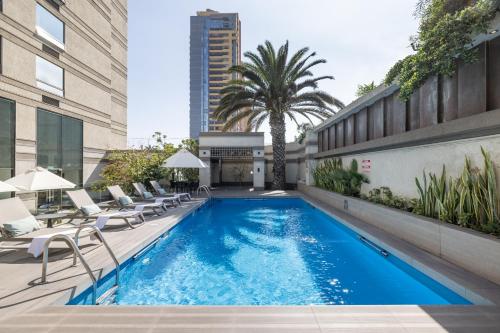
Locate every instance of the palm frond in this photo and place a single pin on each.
(275, 82)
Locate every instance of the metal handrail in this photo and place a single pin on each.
(204, 187)
(77, 252)
(108, 248)
(73, 243)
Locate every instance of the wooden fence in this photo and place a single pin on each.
(473, 89)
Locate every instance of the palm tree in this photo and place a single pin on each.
(273, 86)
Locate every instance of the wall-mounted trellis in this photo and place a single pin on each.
(232, 153)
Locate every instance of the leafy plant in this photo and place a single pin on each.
(432, 194)
(125, 167)
(302, 130)
(331, 176)
(364, 89)
(470, 200)
(445, 36)
(384, 196)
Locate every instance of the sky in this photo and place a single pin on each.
(360, 39)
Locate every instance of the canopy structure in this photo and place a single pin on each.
(4, 187)
(184, 159)
(39, 179)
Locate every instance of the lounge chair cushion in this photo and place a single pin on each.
(147, 195)
(22, 226)
(162, 191)
(90, 209)
(125, 201)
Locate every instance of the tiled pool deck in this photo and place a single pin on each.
(26, 306)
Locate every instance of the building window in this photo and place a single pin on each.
(216, 72)
(217, 66)
(7, 138)
(49, 77)
(1, 53)
(218, 54)
(49, 27)
(60, 145)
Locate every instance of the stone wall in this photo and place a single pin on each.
(94, 61)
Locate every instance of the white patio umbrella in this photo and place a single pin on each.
(39, 179)
(4, 187)
(183, 159)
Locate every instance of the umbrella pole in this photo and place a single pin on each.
(36, 202)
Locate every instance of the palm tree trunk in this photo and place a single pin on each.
(277, 123)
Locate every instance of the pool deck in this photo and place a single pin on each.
(26, 306)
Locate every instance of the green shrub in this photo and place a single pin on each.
(130, 166)
(384, 196)
(125, 167)
(331, 176)
(364, 89)
(445, 36)
(470, 200)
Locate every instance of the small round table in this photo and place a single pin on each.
(51, 217)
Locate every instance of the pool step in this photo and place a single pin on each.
(108, 297)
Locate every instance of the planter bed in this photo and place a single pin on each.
(469, 249)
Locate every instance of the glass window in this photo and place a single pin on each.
(1, 54)
(7, 137)
(49, 141)
(49, 27)
(49, 77)
(72, 149)
(60, 150)
(7, 140)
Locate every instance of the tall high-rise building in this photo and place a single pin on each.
(215, 45)
(63, 90)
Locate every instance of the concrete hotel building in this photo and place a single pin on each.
(215, 45)
(63, 85)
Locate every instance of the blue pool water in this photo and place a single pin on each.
(269, 252)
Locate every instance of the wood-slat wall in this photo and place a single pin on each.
(473, 89)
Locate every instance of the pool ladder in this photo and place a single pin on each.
(73, 244)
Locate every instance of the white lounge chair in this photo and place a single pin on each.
(162, 192)
(124, 201)
(90, 211)
(19, 228)
(148, 196)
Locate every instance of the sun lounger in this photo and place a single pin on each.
(19, 228)
(161, 191)
(90, 211)
(147, 196)
(124, 201)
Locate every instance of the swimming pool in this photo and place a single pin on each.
(268, 252)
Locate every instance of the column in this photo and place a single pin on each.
(205, 173)
(259, 174)
(311, 143)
